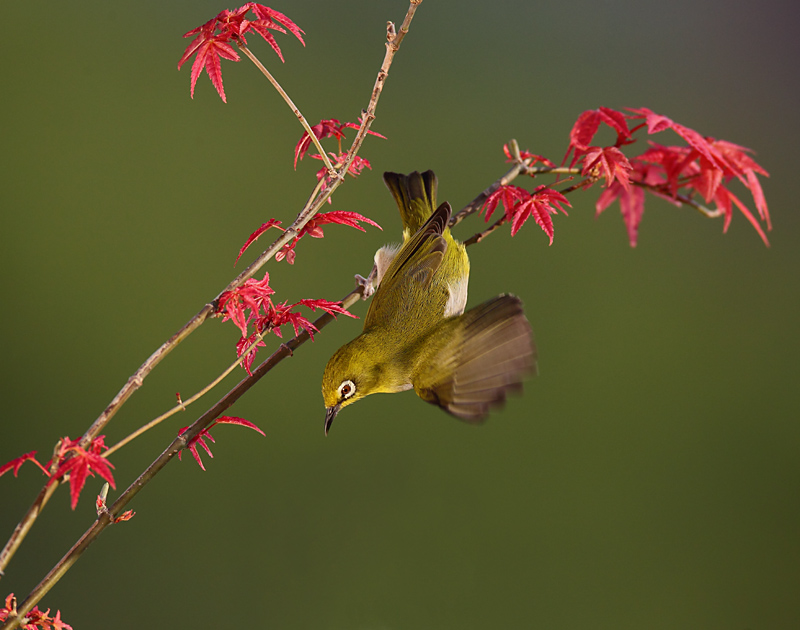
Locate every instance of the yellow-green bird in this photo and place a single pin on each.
(416, 334)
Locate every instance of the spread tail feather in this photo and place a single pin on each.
(415, 195)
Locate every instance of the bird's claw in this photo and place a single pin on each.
(367, 284)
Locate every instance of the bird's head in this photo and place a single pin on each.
(351, 374)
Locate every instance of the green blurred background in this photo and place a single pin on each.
(648, 478)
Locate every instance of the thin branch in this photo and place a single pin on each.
(581, 184)
(477, 238)
(182, 404)
(291, 105)
(24, 526)
(664, 193)
(27, 521)
(393, 41)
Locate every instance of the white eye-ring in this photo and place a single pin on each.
(347, 389)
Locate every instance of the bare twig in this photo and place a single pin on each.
(393, 41)
(664, 192)
(292, 106)
(182, 404)
(24, 526)
(477, 238)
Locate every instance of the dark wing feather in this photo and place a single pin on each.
(488, 351)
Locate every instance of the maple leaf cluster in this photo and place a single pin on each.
(520, 205)
(73, 460)
(313, 229)
(213, 39)
(251, 305)
(703, 167)
(199, 439)
(332, 128)
(35, 619)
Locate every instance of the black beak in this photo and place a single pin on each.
(330, 414)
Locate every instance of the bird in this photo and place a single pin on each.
(416, 334)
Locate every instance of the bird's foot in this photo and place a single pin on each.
(367, 284)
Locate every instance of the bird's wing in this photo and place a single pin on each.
(427, 240)
(480, 357)
(414, 265)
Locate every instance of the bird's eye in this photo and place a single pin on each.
(346, 389)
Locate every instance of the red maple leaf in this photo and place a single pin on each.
(586, 127)
(657, 123)
(209, 48)
(282, 314)
(248, 356)
(16, 464)
(334, 308)
(724, 198)
(631, 201)
(79, 463)
(252, 295)
(520, 205)
(211, 43)
(650, 174)
(254, 236)
(746, 170)
(200, 437)
(540, 205)
(273, 316)
(314, 229)
(508, 195)
(343, 217)
(326, 129)
(608, 162)
(267, 18)
(674, 162)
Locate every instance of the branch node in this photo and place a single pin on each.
(391, 32)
